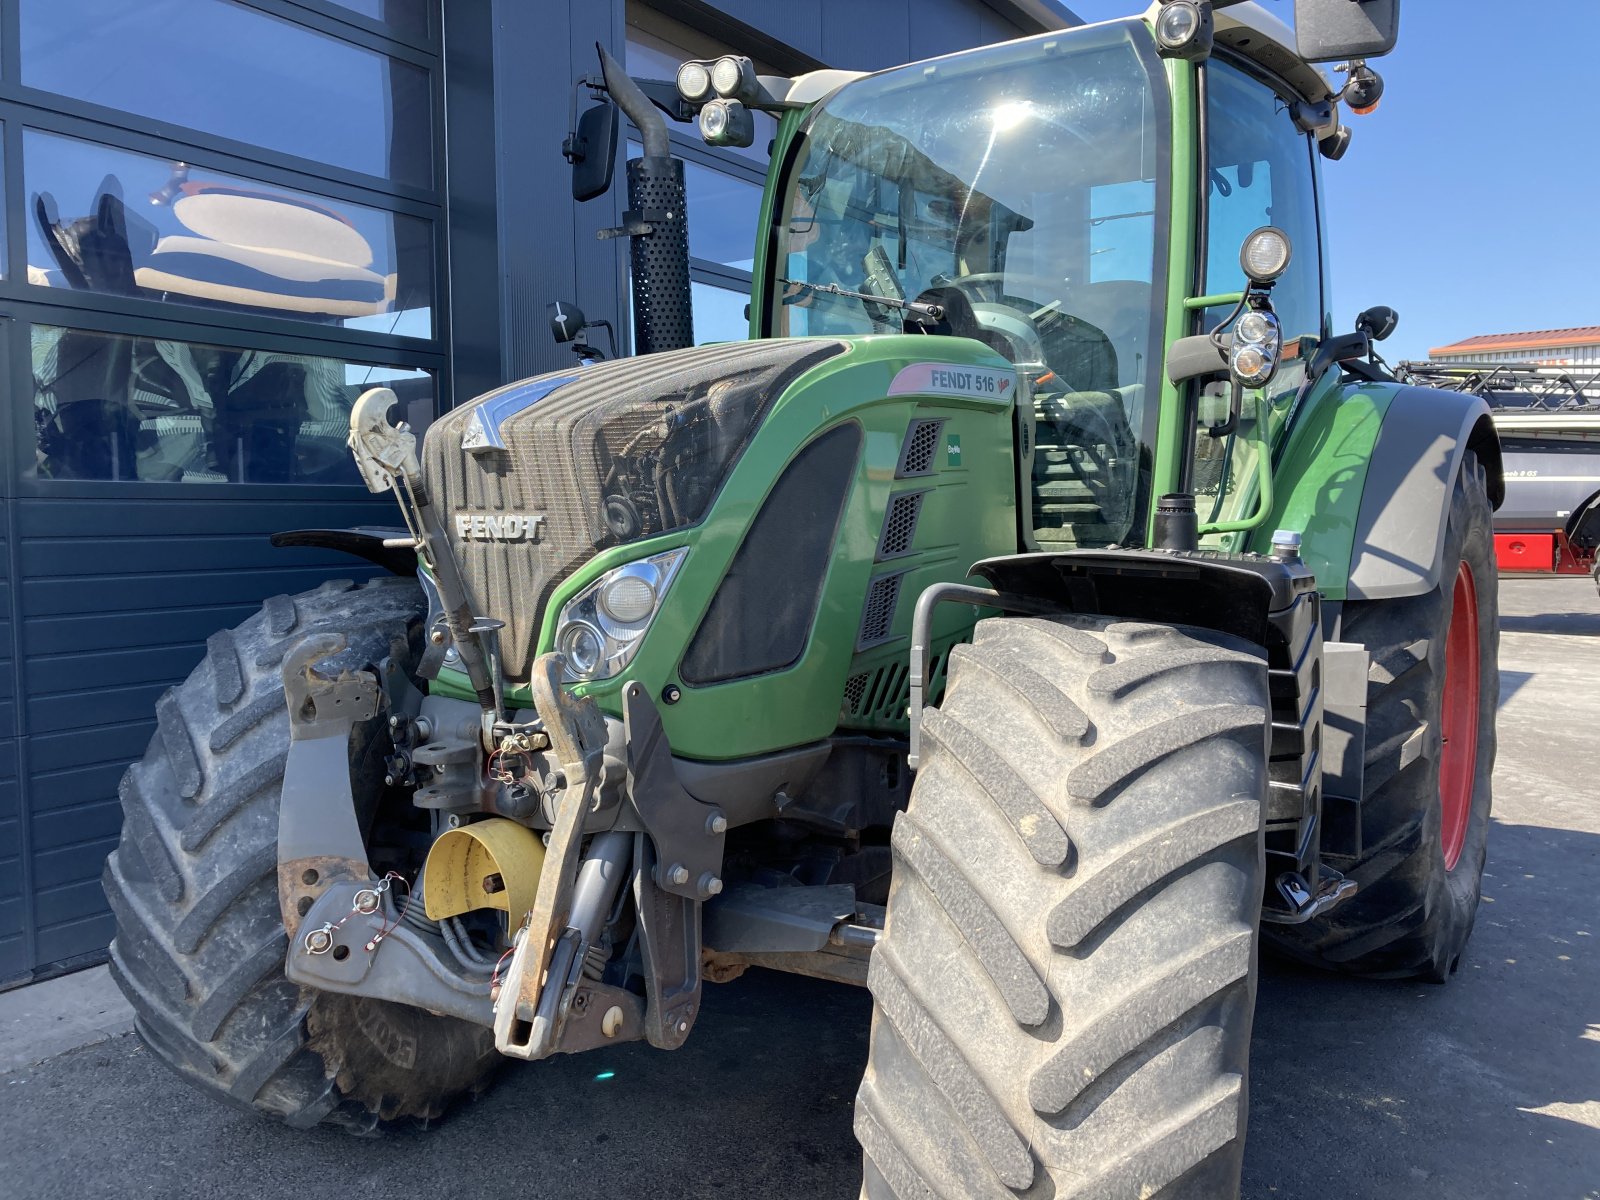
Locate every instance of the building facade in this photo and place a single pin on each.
(1579, 347)
(222, 221)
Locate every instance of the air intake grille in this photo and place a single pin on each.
(855, 691)
(625, 450)
(883, 696)
(877, 618)
(900, 525)
(921, 444)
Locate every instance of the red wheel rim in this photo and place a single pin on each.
(1458, 764)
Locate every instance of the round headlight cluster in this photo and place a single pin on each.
(1257, 344)
(601, 628)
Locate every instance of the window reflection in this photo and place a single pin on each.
(158, 410)
(105, 220)
(719, 314)
(239, 73)
(409, 18)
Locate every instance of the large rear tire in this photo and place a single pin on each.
(1432, 692)
(1065, 985)
(199, 949)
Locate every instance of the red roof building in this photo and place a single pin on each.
(1545, 347)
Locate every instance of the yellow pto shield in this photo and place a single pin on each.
(489, 864)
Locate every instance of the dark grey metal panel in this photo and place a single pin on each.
(473, 212)
(15, 952)
(943, 26)
(116, 602)
(541, 230)
(796, 25)
(865, 37)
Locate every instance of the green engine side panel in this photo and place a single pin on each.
(968, 513)
(1321, 475)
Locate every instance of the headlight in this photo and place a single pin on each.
(727, 123)
(734, 77)
(600, 628)
(1255, 327)
(1257, 346)
(694, 81)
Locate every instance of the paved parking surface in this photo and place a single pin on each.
(1488, 1088)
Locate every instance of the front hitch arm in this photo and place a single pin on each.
(548, 956)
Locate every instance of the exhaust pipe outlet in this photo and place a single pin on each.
(662, 306)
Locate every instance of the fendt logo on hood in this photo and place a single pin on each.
(499, 527)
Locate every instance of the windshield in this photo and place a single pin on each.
(1020, 190)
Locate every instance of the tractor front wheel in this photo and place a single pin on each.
(200, 946)
(1065, 984)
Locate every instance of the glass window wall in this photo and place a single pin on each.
(107, 220)
(160, 410)
(226, 69)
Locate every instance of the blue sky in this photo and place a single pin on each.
(1468, 202)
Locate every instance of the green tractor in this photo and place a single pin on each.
(1043, 607)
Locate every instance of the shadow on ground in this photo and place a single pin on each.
(1486, 1087)
(1360, 1090)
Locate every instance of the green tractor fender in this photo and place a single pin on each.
(1399, 532)
(1366, 476)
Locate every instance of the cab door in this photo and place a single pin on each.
(1260, 170)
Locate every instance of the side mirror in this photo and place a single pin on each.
(1378, 322)
(593, 152)
(1338, 30)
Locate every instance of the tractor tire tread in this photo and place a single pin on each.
(1003, 1061)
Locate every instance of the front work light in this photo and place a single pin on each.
(694, 81)
(727, 123)
(1265, 255)
(733, 77)
(1184, 29)
(600, 629)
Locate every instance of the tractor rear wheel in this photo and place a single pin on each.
(200, 946)
(1065, 985)
(1432, 691)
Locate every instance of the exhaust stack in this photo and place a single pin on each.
(655, 222)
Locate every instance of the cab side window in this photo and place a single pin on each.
(1262, 172)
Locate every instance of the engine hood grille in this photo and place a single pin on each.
(536, 478)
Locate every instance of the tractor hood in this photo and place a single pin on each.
(537, 477)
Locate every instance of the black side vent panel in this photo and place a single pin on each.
(900, 525)
(920, 449)
(763, 611)
(855, 693)
(883, 696)
(877, 617)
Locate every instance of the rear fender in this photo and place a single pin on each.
(1366, 479)
(1399, 534)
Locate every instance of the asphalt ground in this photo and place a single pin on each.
(1488, 1087)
